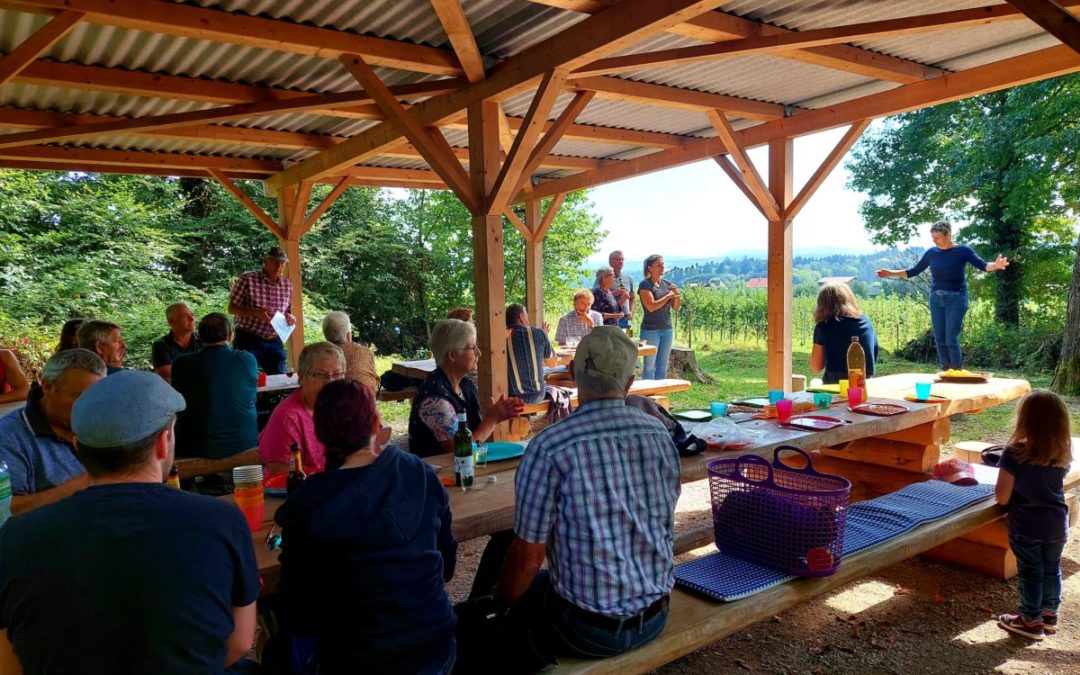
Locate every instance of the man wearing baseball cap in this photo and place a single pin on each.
(255, 298)
(596, 496)
(127, 575)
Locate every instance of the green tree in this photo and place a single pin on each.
(1003, 163)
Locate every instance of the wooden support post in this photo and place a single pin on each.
(779, 266)
(534, 265)
(291, 217)
(488, 265)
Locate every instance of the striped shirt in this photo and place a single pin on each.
(526, 349)
(570, 326)
(599, 488)
(254, 289)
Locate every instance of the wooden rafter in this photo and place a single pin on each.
(424, 138)
(62, 154)
(777, 43)
(248, 203)
(599, 35)
(1052, 18)
(518, 156)
(90, 167)
(674, 97)
(338, 190)
(720, 27)
(506, 137)
(159, 122)
(521, 227)
(549, 217)
(299, 207)
(995, 76)
(33, 46)
(542, 151)
(751, 178)
(827, 166)
(456, 24)
(200, 23)
(736, 177)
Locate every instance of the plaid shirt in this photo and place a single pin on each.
(570, 325)
(253, 289)
(599, 488)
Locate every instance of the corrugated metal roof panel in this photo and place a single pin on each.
(610, 113)
(941, 47)
(823, 14)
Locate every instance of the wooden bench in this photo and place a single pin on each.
(403, 395)
(201, 466)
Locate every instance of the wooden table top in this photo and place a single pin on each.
(421, 368)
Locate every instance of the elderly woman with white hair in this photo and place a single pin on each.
(578, 322)
(291, 423)
(448, 391)
(359, 360)
(604, 299)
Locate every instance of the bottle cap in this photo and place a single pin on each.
(493, 479)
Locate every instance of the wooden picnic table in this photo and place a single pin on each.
(421, 368)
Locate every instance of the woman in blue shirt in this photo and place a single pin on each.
(837, 319)
(948, 289)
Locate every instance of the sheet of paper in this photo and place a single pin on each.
(281, 326)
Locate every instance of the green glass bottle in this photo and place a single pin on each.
(464, 466)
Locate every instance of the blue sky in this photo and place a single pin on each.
(696, 211)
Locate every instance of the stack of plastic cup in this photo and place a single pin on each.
(249, 494)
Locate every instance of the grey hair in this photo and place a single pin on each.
(93, 333)
(73, 359)
(172, 309)
(317, 351)
(613, 254)
(603, 272)
(449, 335)
(336, 327)
(941, 227)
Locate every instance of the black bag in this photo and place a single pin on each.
(687, 444)
(391, 381)
(992, 455)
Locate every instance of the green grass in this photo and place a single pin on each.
(741, 372)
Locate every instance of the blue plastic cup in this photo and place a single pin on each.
(922, 390)
(822, 399)
(775, 395)
(718, 409)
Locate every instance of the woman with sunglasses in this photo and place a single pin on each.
(366, 551)
(449, 391)
(291, 422)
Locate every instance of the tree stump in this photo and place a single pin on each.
(683, 362)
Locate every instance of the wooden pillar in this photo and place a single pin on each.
(488, 265)
(779, 266)
(292, 224)
(534, 265)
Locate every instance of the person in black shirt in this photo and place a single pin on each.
(181, 339)
(127, 575)
(837, 319)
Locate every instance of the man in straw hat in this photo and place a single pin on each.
(128, 575)
(596, 496)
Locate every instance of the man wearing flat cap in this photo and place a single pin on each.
(127, 575)
(255, 298)
(596, 496)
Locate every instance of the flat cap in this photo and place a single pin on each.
(123, 408)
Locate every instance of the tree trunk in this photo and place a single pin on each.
(683, 362)
(1067, 378)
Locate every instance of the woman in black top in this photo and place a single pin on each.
(838, 319)
(658, 298)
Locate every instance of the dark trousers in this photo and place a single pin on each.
(269, 353)
(1038, 574)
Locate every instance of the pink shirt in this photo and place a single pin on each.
(292, 423)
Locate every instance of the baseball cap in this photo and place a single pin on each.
(275, 253)
(955, 471)
(123, 408)
(606, 353)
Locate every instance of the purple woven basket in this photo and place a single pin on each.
(779, 516)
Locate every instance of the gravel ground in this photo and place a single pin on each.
(918, 616)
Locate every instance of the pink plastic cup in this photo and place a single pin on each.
(783, 410)
(854, 396)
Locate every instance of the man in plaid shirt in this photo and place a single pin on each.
(596, 496)
(254, 300)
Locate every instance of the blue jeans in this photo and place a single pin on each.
(268, 353)
(947, 310)
(1038, 567)
(656, 366)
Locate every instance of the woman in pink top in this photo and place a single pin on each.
(291, 421)
(13, 383)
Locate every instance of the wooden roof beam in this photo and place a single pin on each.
(751, 178)
(720, 27)
(602, 34)
(831, 160)
(736, 177)
(248, 203)
(551, 138)
(43, 38)
(521, 227)
(1039, 65)
(776, 44)
(1053, 18)
(674, 97)
(456, 24)
(549, 216)
(63, 154)
(90, 167)
(200, 23)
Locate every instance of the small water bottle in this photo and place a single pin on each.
(5, 493)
